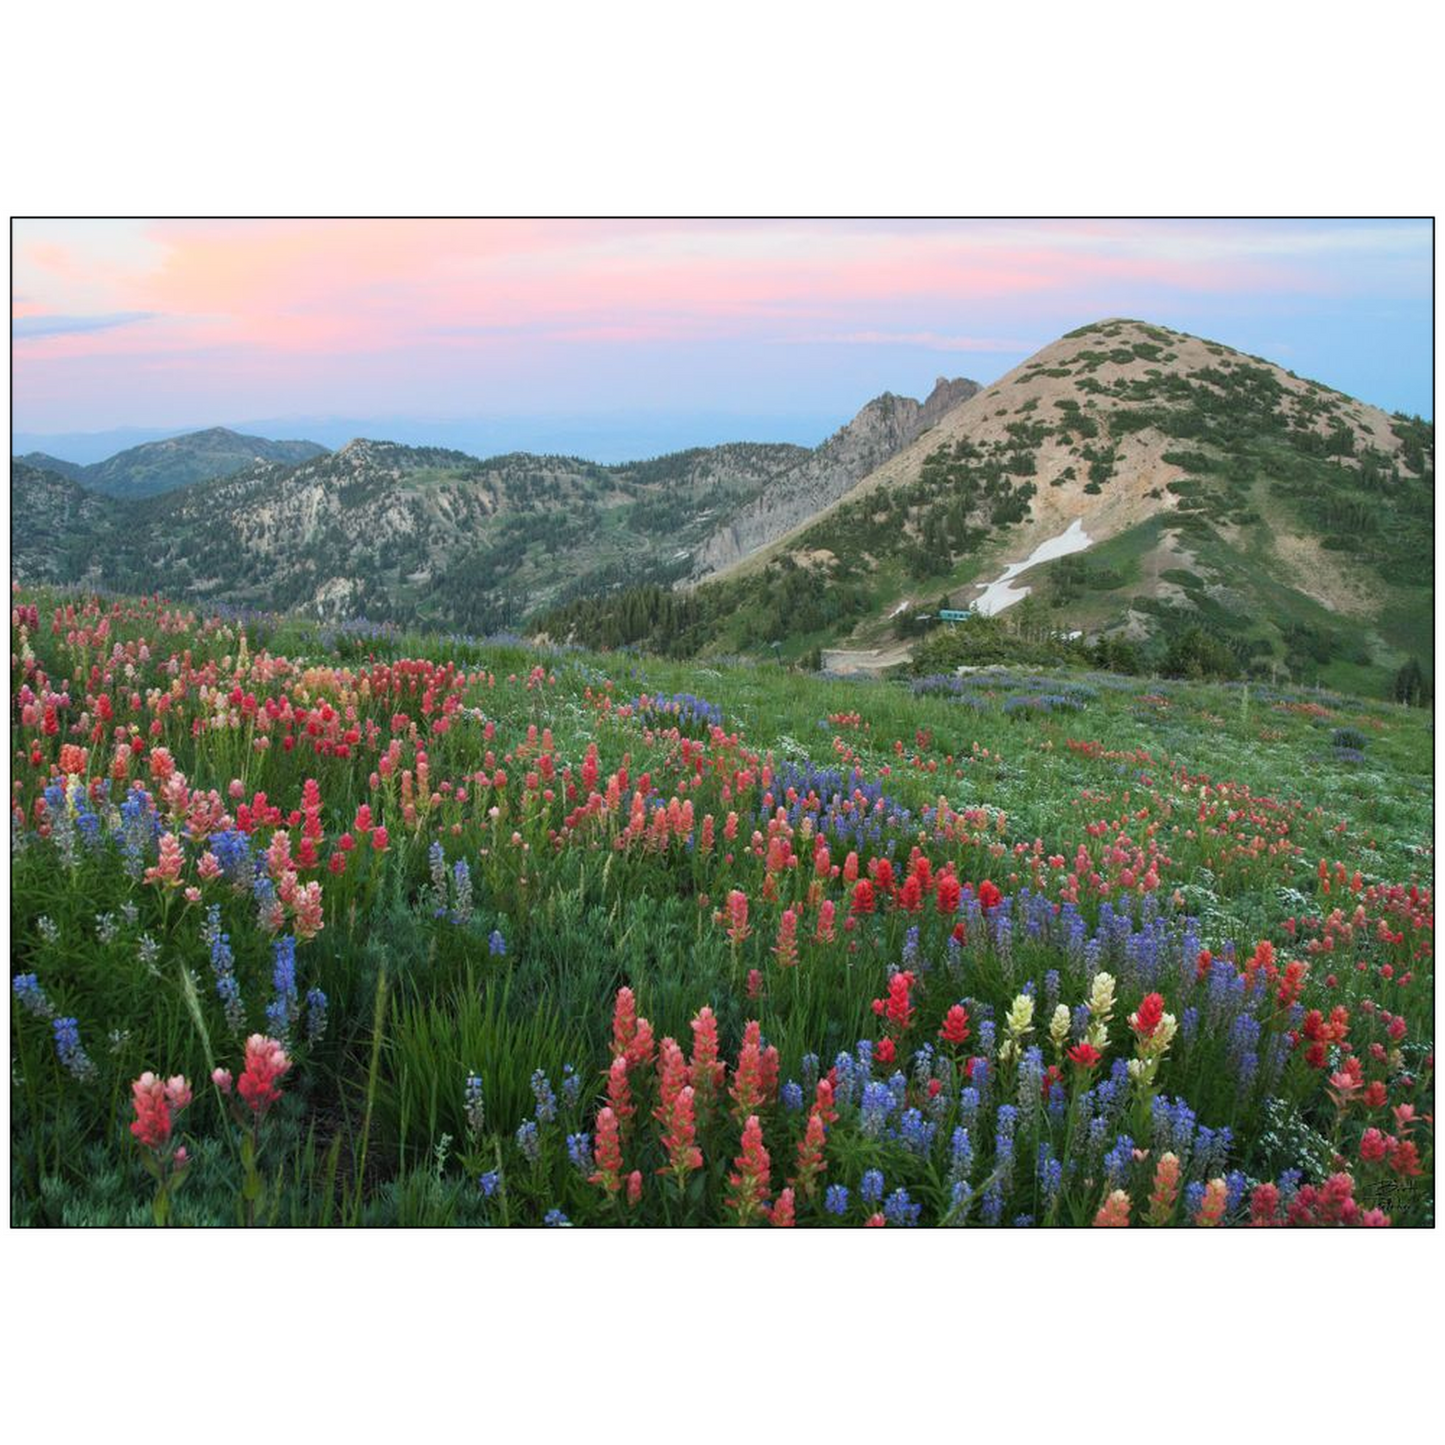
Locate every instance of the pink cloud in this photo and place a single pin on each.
(288, 311)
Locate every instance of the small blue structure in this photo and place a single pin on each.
(947, 614)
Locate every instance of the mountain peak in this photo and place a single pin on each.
(160, 466)
(1197, 477)
(881, 428)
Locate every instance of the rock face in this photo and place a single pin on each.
(882, 429)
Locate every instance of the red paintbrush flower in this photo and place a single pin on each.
(955, 1028)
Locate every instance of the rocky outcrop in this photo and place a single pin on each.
(883, 428)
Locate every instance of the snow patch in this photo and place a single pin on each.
(1000, 594)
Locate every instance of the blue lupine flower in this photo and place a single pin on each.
(865, 1057)
(263, 890)
(910, 947)
(475, 1105)
(960, 1151)
(31, 996)
(831, 799)
(1031, 1083)
(792, 1096)
(285, 1008)
(68, 1049)
(835, 1201)
(876, 1107)
(898, 1208)
(872, 1186)
(1002, 933)
(1051, 1175)
(1098, 1135)
(62, 829)
(1024, 1221)
(87, 822)
(961, 1198)
(496, 944)
(916, 1132)
(233, 852)
(316, 1002)
(546, 1099)
(571, 1086)
(579, 1151)
(138, 829)
(223, 962)
(844, 1070)
(694, 716)
(1203, 1147)
(461, 892)
(992, 1210)
(1234, 1185)
(1118, 1161)
(1004, 1143)
(1193, 1198)
(968, 1106)
(529, 1142)
(555, 1219)
(809, 1069)
(1051, 991)
(1219, 1150)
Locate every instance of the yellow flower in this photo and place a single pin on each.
(1059, 1026)
(1021, 1015)
(1101, 997)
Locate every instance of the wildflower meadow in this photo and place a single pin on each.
(371, 928)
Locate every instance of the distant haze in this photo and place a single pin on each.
(595, 438)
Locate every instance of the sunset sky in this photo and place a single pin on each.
(659, 333)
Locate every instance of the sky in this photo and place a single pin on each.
(618, 339)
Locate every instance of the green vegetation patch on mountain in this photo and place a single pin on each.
(54, 524)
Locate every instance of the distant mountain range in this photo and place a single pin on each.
(427, 534)
(162, 466)
(1188, 484)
